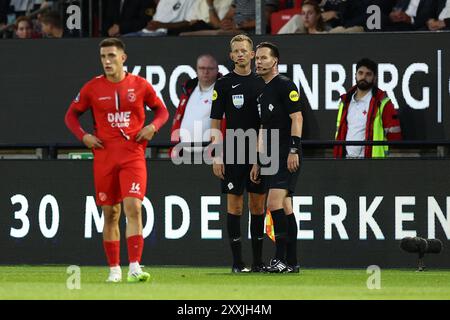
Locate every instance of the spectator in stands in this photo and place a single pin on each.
(314, 18)
(24, 7)
(204, 15)
(441, 21)
(170, 16)
(195, 105)
(240, 18)
(207, 15)
(411, 15)
(362, 102)
(126, 16)
(23, 28)
(51, 25)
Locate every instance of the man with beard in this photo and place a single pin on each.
(366, 113)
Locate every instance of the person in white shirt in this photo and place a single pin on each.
(192, 118)
(366, 113)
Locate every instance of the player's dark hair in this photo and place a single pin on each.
(369, 64)
(112, 42)
(273, 49)
(52, 18)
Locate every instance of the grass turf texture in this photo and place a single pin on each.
(179, 283)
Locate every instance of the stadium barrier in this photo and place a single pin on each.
(351, 213)
(37, 92)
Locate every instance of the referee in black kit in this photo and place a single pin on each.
(280, 109)
(235, 97)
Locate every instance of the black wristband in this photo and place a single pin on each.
(296, 142)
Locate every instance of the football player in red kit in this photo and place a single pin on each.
(117, 101)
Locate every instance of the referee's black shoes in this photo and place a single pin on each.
(240, 269)
(277, 266)
(261, 268)
(293, 269)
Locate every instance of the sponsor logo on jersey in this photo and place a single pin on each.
(271, 107)
(215, 95)
(235, 85)
(131, 96)
(102, 196)
(293, 95)
(119, 119)
(238, 100)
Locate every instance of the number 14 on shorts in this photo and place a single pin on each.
(135, 187)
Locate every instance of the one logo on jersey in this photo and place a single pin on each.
(214, 97)
(259, 109)
(77, 98)
(119, 119)
(102, 196)
(238, 100)
(293, 95)
(271, 107)
(230, 186)
(235, 85)
(131, 96)
(135, 188)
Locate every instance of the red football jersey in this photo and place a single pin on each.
(118, 108)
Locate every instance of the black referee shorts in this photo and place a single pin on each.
(283, 179)
(237, 178)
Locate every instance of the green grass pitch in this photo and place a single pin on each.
(180, 283)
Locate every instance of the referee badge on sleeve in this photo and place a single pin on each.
(294, 96)
(214, 96)
(238, 100)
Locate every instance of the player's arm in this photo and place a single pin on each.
(78, 106)
(217, 112)
(161, 115)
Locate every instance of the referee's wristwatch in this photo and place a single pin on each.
(293, 150)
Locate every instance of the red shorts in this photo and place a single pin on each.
(120, 171)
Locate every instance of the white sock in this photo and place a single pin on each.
(134, 267)
(115, 269)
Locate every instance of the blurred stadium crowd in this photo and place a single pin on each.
(48, 19)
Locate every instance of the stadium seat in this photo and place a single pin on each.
(280, 18)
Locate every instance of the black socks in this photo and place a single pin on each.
(291, 248)
(234, 235)
(280, 228)
(257, 234)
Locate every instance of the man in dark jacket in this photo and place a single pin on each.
(126, 16)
